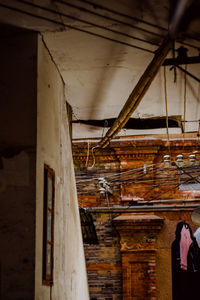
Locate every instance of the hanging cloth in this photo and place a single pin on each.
(185, 243)
(197, 236)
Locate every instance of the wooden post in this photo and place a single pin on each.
(138, 92)
(138, 234)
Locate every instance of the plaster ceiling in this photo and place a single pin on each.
(103, 49)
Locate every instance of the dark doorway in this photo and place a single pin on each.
(185, 264)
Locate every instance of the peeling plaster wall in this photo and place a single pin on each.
(18, 56)
(54, 149)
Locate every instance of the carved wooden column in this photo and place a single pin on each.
(138, 234)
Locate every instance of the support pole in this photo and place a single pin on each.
(138, 92)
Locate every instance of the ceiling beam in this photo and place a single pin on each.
(182, 61)
(139, 91)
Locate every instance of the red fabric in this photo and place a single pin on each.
(185, 243)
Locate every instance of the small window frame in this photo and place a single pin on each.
(48, 231)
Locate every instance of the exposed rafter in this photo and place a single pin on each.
(139, 91)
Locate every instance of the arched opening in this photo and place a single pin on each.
(185, 264)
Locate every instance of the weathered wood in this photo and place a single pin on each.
(139, 91)
(181, 61)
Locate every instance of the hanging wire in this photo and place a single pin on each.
(156, 177)
(93, 157)
(125, 177)
(135, 170)
(173, 55)
(88, 154)
(22, 11)
(184, 113)
(133, 174)
(198, 132)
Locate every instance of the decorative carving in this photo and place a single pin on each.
(128, 246)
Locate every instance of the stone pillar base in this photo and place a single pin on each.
(138, 234)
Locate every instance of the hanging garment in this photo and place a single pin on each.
(185, 264)
(185, 243)
(197, 236)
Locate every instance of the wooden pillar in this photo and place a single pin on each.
(138, 234)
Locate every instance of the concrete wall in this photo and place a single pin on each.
(54, 149)
(18, 55)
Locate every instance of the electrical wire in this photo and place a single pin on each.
(74, 28)
(115, 12)
(171, 189)
(83, 9)
(94, 161)
(116, 174)
(121, 14)
(120, 175)
(88, 154)
(78, 28)
(113, 177)
(161, 181)
(96, 25)
(85, 22)
(185, 85)
(156, 176)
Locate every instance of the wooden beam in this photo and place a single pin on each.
(184, 61)
(138, 92)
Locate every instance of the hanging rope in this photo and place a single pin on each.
(93, 157)
(166, 108)
(88, 154)
(184, 116)
(185, 98)
(173, 55)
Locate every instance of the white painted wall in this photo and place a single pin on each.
(54, 149)
(100, 76)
